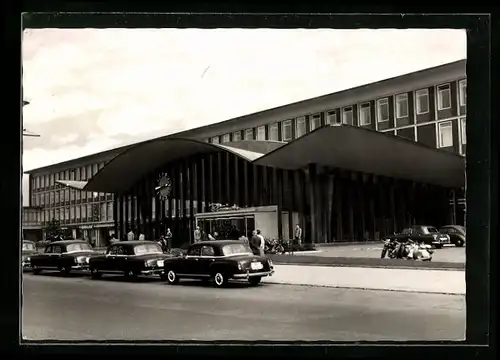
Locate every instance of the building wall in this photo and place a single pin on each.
(414, 106)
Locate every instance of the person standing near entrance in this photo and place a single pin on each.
(142, 237)
(131, 235)
(298, 234)
(197, 235)
(168, 237)
(262, 244)
(255, 243)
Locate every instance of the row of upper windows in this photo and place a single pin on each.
(79, 174)
(445, 133)
(422, 106)
(56, 197)
(98, 212)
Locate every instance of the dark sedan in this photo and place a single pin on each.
(423, 233)
(219, 261)
(456, 233)
(65, 256)
(130, 258)
(28, 250)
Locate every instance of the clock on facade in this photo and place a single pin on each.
(164, 186)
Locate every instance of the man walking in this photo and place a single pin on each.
(130, 235)
(262, 244)
(298, 235)
(255, 243)
(168, 238)
(197, 235)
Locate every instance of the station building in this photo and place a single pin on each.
(349, 166)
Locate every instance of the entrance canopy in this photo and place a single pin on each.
(357, 149)
(127, 168)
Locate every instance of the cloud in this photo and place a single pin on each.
(91, 89)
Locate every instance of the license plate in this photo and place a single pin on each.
(256, 266)
(160, 262)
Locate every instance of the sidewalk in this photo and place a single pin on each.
(410, 280)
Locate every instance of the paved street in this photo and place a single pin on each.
(79, 308)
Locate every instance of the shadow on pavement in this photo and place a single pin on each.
(209, 284)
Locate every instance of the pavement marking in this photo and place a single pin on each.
(370, 266)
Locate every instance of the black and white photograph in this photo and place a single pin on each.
(244, 184)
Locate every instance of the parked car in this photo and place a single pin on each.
(28, 250)
(65, 256)
(220, 261)
(422, 233)
(131, 258)
(456, 233)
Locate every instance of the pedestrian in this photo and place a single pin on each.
(262, 244)
(142, 237)
(197, 235)
(131, 235)
(298, 235)
(168, 238)
(255, 243)
(210, 237)
(112, 239)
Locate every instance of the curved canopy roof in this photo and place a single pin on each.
(129, 166)
(340, 146)
(357, 149)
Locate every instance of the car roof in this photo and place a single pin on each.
(134, 242)
(67, 242)
(218, 242)
(28, 241)
(423, 226)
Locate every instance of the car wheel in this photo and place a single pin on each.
(220, 279)
(459, 243)
(65, 270)
(255, 280)
(95, 274)
(280, 250)
(36, 270)
(172, 277)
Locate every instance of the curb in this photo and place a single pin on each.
(369, 289)
(372, 266)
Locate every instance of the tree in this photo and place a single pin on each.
(53, 230)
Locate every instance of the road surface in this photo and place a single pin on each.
(78, 308)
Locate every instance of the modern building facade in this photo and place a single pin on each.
(426, 108)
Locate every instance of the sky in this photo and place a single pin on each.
(95, 89)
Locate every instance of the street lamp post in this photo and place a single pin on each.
(26, 132)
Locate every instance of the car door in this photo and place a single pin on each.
(119, 260)
(55, 256)
(108, 263)
(43, 259)
(207, 257)
(191, 263)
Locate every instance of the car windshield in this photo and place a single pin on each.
(78, 247)
(432, 230)
(28, 246)
(147, 249)
(236, 249)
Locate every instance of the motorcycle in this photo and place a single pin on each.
(272, 246)
(391, 249)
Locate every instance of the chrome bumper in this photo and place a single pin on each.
(249, 274)
(80, 267)
(152, 272)
(26, 264)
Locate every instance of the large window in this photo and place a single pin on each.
(102, 212)
(77, 174)
(109, 215)
(347, 116)
(215, 139)
(249, 134)
(331, 118)
(462, 85)
(237, 136)
(274, 132)
(422, 101)
(401, 106)
(226, 138)
(463, 130)
(300, 126)
(365, 117)
(261, 133)
(444, 97)
(445, 133)
(315, 122)
(286, 130)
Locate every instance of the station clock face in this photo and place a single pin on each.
(164, 186)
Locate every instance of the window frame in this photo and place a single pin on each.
(298, 122)
(439, 96)
(312, 119)
(463, 130)
(260, 129)
(361, 107)
(226, 138)
(284, 124)
(396, 103)
(237, 133)
(448, 124)
(347, 109)
(462, 93)
(386, 103)
(271, 130)
(418, 94)
(329, 115)
(248, 131)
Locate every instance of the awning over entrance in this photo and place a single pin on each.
(129, 166)
(368, 151)
(78, 185)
